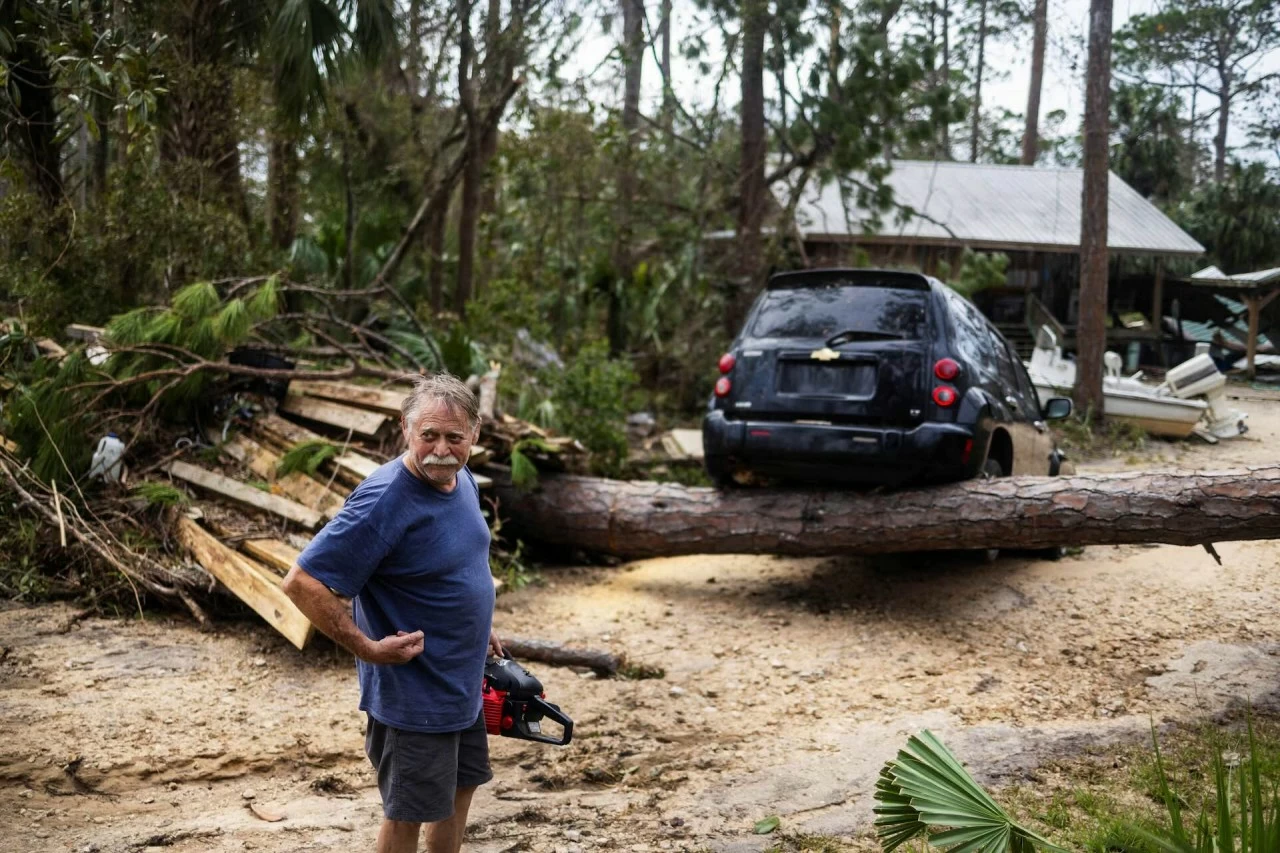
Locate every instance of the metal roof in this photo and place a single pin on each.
(992, 206)
(1214, 277)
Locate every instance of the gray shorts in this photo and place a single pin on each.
(418, 773)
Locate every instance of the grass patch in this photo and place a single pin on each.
(1083, 439)
(1118, 804)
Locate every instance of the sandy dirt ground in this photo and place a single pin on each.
(787, 684)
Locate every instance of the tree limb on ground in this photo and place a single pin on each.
(642, 519)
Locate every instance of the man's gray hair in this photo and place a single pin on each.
(445, 387)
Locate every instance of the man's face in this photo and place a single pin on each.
(439, 442)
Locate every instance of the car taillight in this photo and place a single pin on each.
(722, 386)
(727, 361)
(946, 369)
(944, 396)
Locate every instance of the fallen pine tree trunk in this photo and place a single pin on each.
(644, 519)
(543, 651)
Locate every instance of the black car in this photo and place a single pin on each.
(873, 377)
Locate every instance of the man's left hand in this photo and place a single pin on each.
(495, 645)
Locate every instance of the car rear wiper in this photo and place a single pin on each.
(849, 335)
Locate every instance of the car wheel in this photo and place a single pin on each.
(719, 472)
(991, 469)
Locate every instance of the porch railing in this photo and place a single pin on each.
(1038, 315)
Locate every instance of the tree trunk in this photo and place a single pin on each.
(668, 108)
(1031, 136)
(436, 227)
(946, 78)
(643, 519)
(33, 128)
(633, 57)
(468, 217)
(833, 51)
(1091, 335)
(1220, 138)
(974, 140)
(751, 185)
(282, 186)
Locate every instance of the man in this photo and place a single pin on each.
(412, 548)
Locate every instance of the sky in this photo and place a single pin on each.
(1010, 60)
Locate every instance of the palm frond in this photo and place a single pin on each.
(925, 789)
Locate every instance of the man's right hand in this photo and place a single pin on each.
(401, 648)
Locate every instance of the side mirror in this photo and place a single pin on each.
(1057, 408)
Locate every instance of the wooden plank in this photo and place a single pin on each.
(295, 485)
(283, 434)
(248, 581)
(359, 422)
(376, 399)
(51, 348)
(246, 495)
(681, 444)
(272, 553)
(81, 332)
(482, 482)
(362, 466)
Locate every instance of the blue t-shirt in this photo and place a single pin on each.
(414, 558)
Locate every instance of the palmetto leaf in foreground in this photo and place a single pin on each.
(925, 789)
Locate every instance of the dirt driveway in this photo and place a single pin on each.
(788, 682)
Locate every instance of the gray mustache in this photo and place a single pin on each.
(432, 459)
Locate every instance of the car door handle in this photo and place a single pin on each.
(1013, 402)
(1040, 426)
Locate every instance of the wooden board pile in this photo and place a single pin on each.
(297, 504)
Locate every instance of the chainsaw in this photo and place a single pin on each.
(515, 704)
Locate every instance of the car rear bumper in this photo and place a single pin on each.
(839, 453)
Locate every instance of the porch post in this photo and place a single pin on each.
(1157, 311)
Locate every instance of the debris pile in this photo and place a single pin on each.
(236, 478)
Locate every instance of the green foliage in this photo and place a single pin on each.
(48, 419)
(511, 569)
(306, 456)
(592, 396)
(21, 577)
(524, 475)
(1082, 437)
(1149, 142)
(160, 494)
(1244, 811)
(977, 272)
(926, 791)
(1238, 221)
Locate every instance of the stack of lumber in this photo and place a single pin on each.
(253, 569)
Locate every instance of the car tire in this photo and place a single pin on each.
(719, 472)
(991, 469)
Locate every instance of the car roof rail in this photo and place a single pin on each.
(844, 276)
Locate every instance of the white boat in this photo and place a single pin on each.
(1167, 409)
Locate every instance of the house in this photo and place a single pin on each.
(1031, 214)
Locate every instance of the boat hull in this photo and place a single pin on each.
(1169, 417)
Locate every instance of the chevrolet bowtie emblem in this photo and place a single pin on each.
(824, 354)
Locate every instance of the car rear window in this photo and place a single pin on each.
(820, 312)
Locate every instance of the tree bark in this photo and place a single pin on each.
(1224, 120)
(974, 139)
(528, 649)
(833, 51)
(1031, 136)
(1091, 335)
(668, 107)
(633, 57)
(946, 78)
(282, 186)
(469, 205)
(751, 182)
(642, 519)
